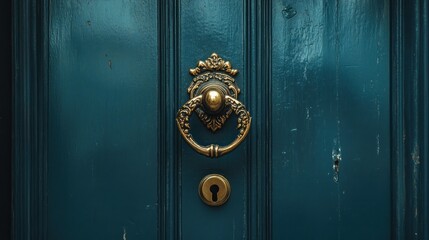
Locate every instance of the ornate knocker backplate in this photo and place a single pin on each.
(213, 96)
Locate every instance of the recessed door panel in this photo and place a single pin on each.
(208, 27)
(330, 101)
(103, 120)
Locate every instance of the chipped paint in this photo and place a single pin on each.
(415, 156)
(378, 144)
(289, 12)
(336, 159)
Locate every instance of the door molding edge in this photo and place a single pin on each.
(410, 119)
(29, 118)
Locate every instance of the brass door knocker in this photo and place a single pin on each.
(213, 96)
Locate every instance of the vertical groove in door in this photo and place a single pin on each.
(29, 116)
(425, 116)
(249, 44)
(162, 115)
(258, 60)
(169, 156)
(176, 166)
(398, 183)
(409, 119)
(268, 112)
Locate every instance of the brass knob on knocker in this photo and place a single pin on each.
(213, 97)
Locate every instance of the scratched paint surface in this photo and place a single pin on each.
(102, 170)
(330, 85)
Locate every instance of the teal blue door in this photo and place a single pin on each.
(314, 75)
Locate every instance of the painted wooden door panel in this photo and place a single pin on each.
(211, 26)
(103, 120)
(313, 74)
(330, 108)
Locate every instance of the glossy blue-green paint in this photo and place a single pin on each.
(206, 27)
(90, 162)
(103, 120)
(306, 44)
(330, 99)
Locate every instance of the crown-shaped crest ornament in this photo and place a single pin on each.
(213, 63)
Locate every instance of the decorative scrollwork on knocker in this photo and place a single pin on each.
(213, 96)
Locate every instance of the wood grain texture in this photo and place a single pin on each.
(168, 187)
(103, 120)
(330, 102)
(259, 55)
(410, 119)
(29, 127)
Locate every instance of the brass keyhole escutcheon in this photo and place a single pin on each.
(214, 190)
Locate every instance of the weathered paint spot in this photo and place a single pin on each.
(289, 12)
(416, 155)
(378, 144)
(336, 158)
(308, 117)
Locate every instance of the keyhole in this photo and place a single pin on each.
(214, 189)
